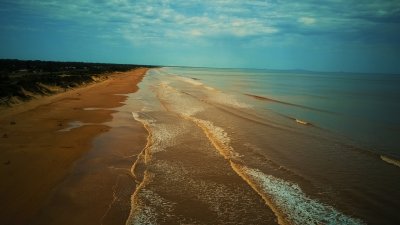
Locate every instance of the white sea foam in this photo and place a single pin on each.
(190, 81)
(90, 109)
(227, 99)
(218, 137)
(216, 96)
(294, 204)
(149, 206)
(164, 135)
(164, 83)
(210, 88)
(285, 197)
(179, 102)
(194, 82)
(146, 109)
(302, 122)
(143, 120)
(216, 195)
(389, 160)
(144, 216)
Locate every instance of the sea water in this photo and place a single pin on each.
(229, 146)
(363, 107)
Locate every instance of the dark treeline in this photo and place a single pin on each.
(20, 79)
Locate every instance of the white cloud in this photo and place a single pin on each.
(307, 20)
(196, 32)
(180, 25)
(151, 21)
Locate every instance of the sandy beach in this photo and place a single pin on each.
(39, 152)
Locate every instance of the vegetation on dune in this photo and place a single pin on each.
(23, 79)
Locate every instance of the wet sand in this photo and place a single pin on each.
(38, 160)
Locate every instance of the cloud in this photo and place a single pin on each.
(307, 20)
(193, 21)
(257, 31)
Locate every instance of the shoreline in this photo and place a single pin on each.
(35, 157)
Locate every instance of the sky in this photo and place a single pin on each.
(321, 35)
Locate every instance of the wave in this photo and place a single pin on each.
(216, 95)
(192, 81)
(302, 122)
(234, 111)
(246, 116)
(160, 137)
(389, 160)
(289, 203)
(138, 167)
(138, 215)
(262, 98)
(228, 99)
(218, 137)
(170, 97)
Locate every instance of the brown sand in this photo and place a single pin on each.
(35, 157)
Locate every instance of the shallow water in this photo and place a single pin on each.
(252, 147)
(353, 105)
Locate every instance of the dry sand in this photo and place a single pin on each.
(36, 158)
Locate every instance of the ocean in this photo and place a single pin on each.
(245, 146)
(353, 105)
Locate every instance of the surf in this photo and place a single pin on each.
(289, 203)
(390, 160)
(289, 195)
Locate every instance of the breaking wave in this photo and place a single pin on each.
(262, 98)
(290, 203)
(390, 160)
(286, 199)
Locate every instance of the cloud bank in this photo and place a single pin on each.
(231, 23)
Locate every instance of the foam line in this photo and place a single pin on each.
(144, 202)
(289, 203)
(190, 81)
(139, 213)
(390, 160)
(302, 122)
(218, 137)
(262, 98)
(287, 200)
(228, 99)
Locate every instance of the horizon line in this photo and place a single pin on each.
(210, 67)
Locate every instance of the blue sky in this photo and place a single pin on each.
(331, 35)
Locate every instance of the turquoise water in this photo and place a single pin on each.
(364, 108)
